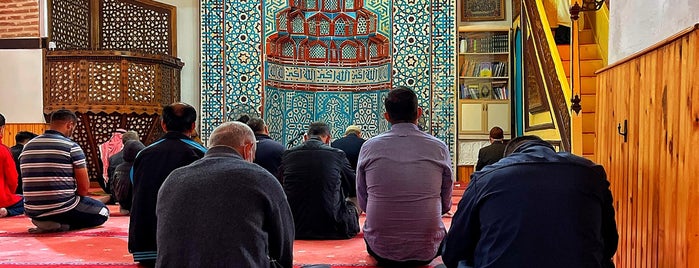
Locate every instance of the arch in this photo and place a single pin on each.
(311, 5)
(324, 26)
(339, 27)
(282, 22)
(318, 50)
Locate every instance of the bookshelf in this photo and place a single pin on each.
(484, 84)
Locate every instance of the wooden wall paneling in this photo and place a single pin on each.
(653, 175)
(692, 138)
(680, 147)
(11, 129)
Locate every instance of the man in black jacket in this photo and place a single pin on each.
(493, 152)
(269, 152)
(21, 139)
(350, 144)
(318, 180)
(152, 165)
(534, 208)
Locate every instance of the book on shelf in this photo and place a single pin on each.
(500, 91)
(485, 90)
(472, 90)
(497, 43)
(485, 69)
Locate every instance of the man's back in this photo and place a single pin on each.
(49, 184)
(490, 154)
(269, 153)
(152, 165)
(350, 144)
(237, 204)
(16, 151)
(317, 178)
(404, 184)
(535, 208)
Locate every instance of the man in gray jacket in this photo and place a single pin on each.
(223, 210)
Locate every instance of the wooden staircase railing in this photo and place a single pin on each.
(544, 74)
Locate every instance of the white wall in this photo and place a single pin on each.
(636, 25)
(188, 49)
(21, 80)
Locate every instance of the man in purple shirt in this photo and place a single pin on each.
(404, 183)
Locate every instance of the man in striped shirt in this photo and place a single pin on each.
(56, 182)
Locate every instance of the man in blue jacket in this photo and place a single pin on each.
(150, 168)
(534, 208)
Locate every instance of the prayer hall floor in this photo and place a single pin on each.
(106, 246)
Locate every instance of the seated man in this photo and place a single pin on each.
(269, 152)
(21, 139)
(317, 180)
(350, 144)
(493, 152)
(56, 182)
(404, 183)
(10, 203)
(121, 181)
(534, 208)
(242, 219)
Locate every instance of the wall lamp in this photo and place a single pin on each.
(587, 5)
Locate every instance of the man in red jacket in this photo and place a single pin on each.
(10, 203)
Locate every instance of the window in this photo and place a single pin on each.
(373, 50)
(318, 51)
(331, 5)
(297, 24)
(283, 24)
(349, 4)
(288, 49)
(311, 4)
(324, 27)
(349, 52)
(362, 25)
(312, 25)
(339, 27)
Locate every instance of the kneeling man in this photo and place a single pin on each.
(55, 180)
(318, 181)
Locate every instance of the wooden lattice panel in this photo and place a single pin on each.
(141, 87)
(132, 25)
(64, 77)
(166, 79)
(104, 83)
(70, 24)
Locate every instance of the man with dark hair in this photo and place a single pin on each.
(534, 207)
(121, 181)
(269, 152)
(21, 139)
(242, 219)
(493, 152)
(404, 184)
(56, 182)
(152, 165)
(350, 144)
(10, 203)
(318, 181)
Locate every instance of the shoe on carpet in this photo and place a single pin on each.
(124, 212)
(3, 212)
(48, 227)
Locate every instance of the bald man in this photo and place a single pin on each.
(151, 166)
(237, 204)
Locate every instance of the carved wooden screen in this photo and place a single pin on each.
(110, 90)
(71, 23)
(133, 25)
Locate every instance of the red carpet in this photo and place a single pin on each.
(106, 246)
